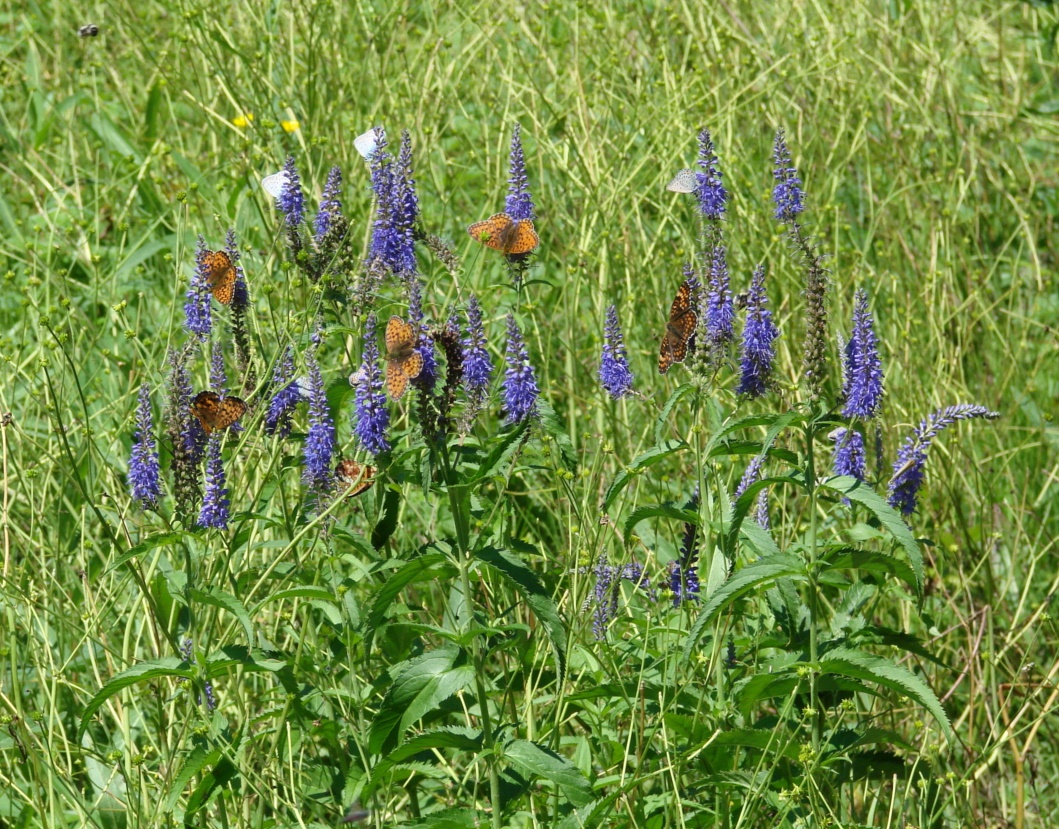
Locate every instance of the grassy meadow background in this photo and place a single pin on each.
(926, 135)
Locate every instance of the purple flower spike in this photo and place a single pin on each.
(519, 204)
(218, 378)
(428, 375)
(287, 396)
(614, 373)
(750, 476)
(604, 597)
(330, 203)
(911, 460)
(291, 201)
(320, 439)
(144, 472)
(759, 336)
(214, 512)
(848, 458)
(683, 572)
(787, 194)
(477, 368)
(520, 381)
(711, 193)
(720, 308)
(197, 317)
(373, 417)
(863, 378)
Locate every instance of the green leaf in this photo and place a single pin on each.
(501, 452)
(166, 666)
(639, 464)
(145, 546)
(554, 427)
(422, 683)
(889, 517)
(455, 818)
(537, 761)
(685, 516)
(428, 567)
(663, 417)
(868, 561)
(457, 738)
(312, 592)
(215, 597)
(218, 777)
(752, 576)
(866, 666)
(525, 581)
(740, 510)
(199, 758)
(387, 521)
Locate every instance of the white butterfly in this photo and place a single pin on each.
(275, 184)
(367, 143)
(686, 181)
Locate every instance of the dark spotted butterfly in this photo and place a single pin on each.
(215, 412)
(354, 476)
(220, 275)
(403, 362)
(679, 329)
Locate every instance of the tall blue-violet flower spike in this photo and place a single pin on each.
(759, 336)
(406, 204)
(144, 472)
(218, 377)
(604, 597)
(330, 203)
(287, 396)
(614, 373)
(320, 439)
(519, 203)
(912, 457)
(291, 201)
(372, 415)
(720, 308)
(477, 368)
(214, 512)
(197, 317)
(848, 454)
(428, 375)
(683, 572)
(787, 195)
(520, 381)
(750, 476)
(711, 192)
(242, 295)
(863, 367)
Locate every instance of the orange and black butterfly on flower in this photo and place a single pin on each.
(220, 275)
(355, 477)
(215, 412)
(403, 362)
(509, 236)
(679, 329)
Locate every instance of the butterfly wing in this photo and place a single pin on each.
(400, 336)
(493, 231)
(396, 379)
(686, 181)
(412, 365)
(221, 275)
(205, 407)
(522, 238)
(358, 477)
(232, 408)
(679, 328)
(367, 143)
(275, 184)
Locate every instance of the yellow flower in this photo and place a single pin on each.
(244, 120)
(289, 126)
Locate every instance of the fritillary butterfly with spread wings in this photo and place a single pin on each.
(501, 232)
(220, 274)
(216, 412)
(686, 181)
(355, 476)
(679, 329)
(403, 362)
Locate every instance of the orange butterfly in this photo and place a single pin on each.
(358, 477)
(216, 412)
(220, 274)
(679, 329)
(403, 362)
(501, 232)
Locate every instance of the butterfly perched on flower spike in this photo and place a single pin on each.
(215, 412)
(275, 184)
(356, 477)
(501, 232)
(220, 275)
(403, 362)
(679, 328)
(686, 181)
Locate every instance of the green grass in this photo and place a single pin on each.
(927, 140)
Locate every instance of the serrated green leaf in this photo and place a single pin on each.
(869, 561)
(166, 666)
(454, 818)
(639, 464)
(215, 597)
(685, 516)
(422, 568)
(457, 738)
(199, 758)
(501, 453)
(537, 761)
(145, 546)
(663, 417)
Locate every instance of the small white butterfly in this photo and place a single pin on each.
(367, 143)
(686, 181)
(275, 184)
(358, 377)
(304, 387)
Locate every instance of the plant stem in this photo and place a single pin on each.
(810, 482)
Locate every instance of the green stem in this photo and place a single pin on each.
(810, 482)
